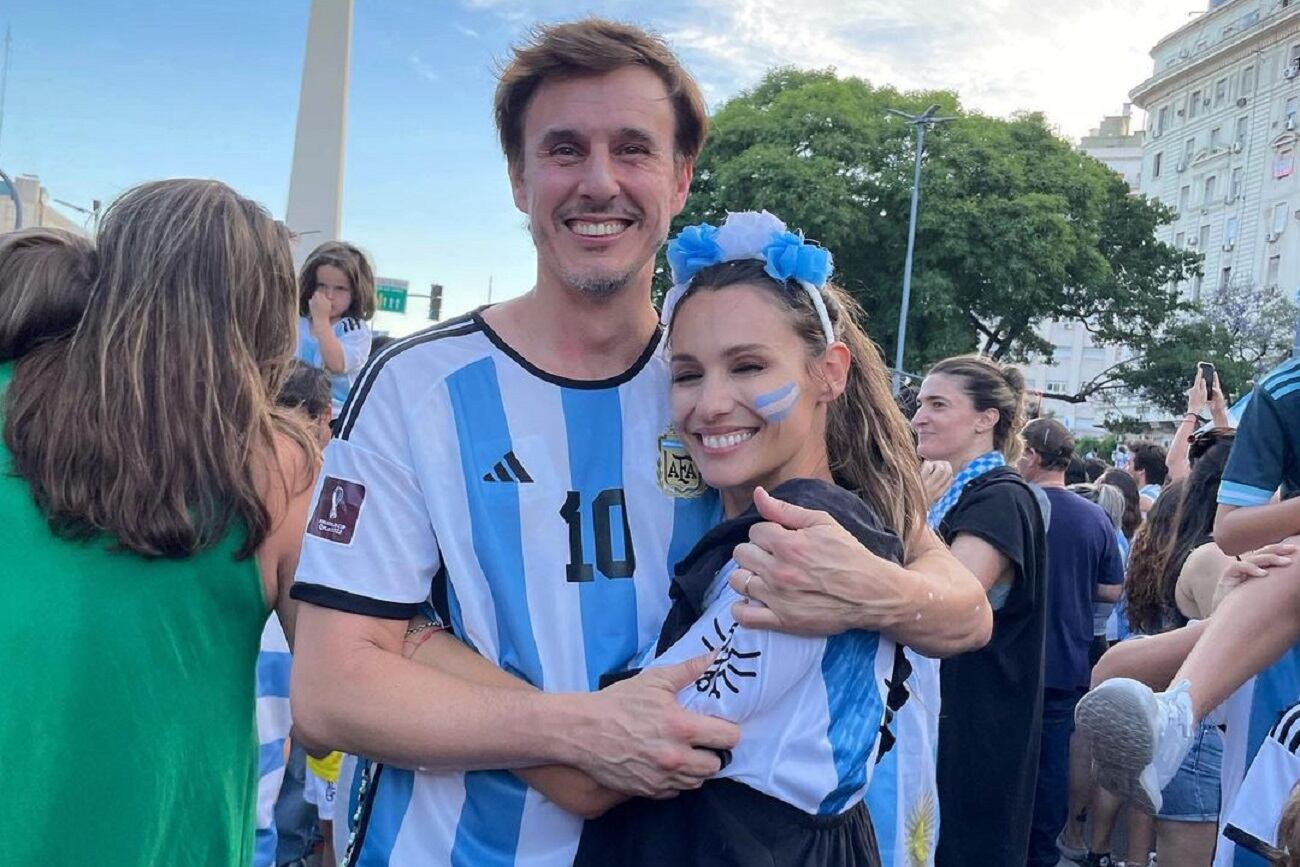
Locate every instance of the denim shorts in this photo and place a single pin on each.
(1193, 794)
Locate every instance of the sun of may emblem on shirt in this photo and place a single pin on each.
(730, 667)
(678, 475)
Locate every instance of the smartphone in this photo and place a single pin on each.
(1207, 375)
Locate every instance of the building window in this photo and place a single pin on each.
(1196, 289)
(1234, 186)
(1243, 126)
(1289, 113)
(1215, 135)
(1248, 81)
(1189, 148)
(1184, 199)
(1274, 268)
(1205, 238)
(1094, 353)
(1225, 277)
(1230, 227)
(1194, 105)
(1220, 92)
(1162, 118)
(1211, 186)
(1055, 386)
(1180, 241)
(1279, 217)
(1155, 164)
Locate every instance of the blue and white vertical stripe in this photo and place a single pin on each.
(558, 574)
(273, 725)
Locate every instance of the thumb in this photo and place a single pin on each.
(683, 674)
(788, 515)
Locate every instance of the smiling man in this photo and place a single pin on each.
(510, 465)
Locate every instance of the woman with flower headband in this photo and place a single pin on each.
(775, 388)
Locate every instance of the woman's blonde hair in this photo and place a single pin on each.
(154, 419)
(868, 441)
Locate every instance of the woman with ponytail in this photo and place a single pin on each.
(969, 413)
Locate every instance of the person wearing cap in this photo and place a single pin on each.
(1083, 566)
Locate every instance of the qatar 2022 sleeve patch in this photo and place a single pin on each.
(337, 509)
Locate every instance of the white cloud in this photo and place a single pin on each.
(1073, 61)
(422, 69)
(466, 31)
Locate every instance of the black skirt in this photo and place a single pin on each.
(726, 824)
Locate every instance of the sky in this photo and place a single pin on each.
(103, 95)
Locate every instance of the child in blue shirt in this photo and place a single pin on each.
(336, 300)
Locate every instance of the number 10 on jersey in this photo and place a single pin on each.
(602, 523)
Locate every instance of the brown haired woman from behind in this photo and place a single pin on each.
(154, 502)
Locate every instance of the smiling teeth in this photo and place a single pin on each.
(596, 228)
(726, 441)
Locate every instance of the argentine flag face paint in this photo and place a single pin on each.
(776, 405)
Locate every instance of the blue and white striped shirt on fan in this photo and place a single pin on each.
(530, 506)
(273, 724)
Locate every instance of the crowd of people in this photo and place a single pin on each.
(572, 579)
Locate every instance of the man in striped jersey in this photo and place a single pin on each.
(517, 465)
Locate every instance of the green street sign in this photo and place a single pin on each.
(392, 295)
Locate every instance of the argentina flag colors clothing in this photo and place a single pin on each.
(1248, 717)
(273, 724)
(530, 507)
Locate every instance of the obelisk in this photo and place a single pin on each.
(315, 209)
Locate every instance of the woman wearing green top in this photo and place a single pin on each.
(152, 504)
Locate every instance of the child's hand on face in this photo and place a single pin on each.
(319, 306)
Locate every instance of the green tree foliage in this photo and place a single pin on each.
(1015, 226)
(1243, 331)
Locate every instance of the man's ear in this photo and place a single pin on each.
(683, 174)
(517, 188)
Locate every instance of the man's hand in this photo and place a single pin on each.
(643, 743)
(811, 576)
(1253, 565)
(319, 307)
(936, 476)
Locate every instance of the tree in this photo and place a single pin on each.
(1243, 331)
(1015, 227)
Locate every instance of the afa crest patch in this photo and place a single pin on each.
(678, 475)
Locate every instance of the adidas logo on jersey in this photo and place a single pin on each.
(508, 469)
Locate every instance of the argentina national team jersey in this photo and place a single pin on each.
(809, 708)
(531, 502)
(1266, 451)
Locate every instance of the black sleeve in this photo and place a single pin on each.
(1001, 514)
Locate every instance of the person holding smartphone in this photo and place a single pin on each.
(1205, 391)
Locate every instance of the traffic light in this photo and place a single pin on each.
(435, 302)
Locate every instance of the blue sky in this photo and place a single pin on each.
(103, 95)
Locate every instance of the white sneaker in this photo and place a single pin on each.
(1138, 738)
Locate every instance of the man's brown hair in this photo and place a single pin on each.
(590, 47)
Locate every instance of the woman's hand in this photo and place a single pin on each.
(1219, 405)
(936, 476)
(1253, 565)
(1197, 395)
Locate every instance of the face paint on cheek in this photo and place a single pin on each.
(776, 405)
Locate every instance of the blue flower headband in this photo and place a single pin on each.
(754, 235)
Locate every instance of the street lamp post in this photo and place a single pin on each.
(921, 122)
